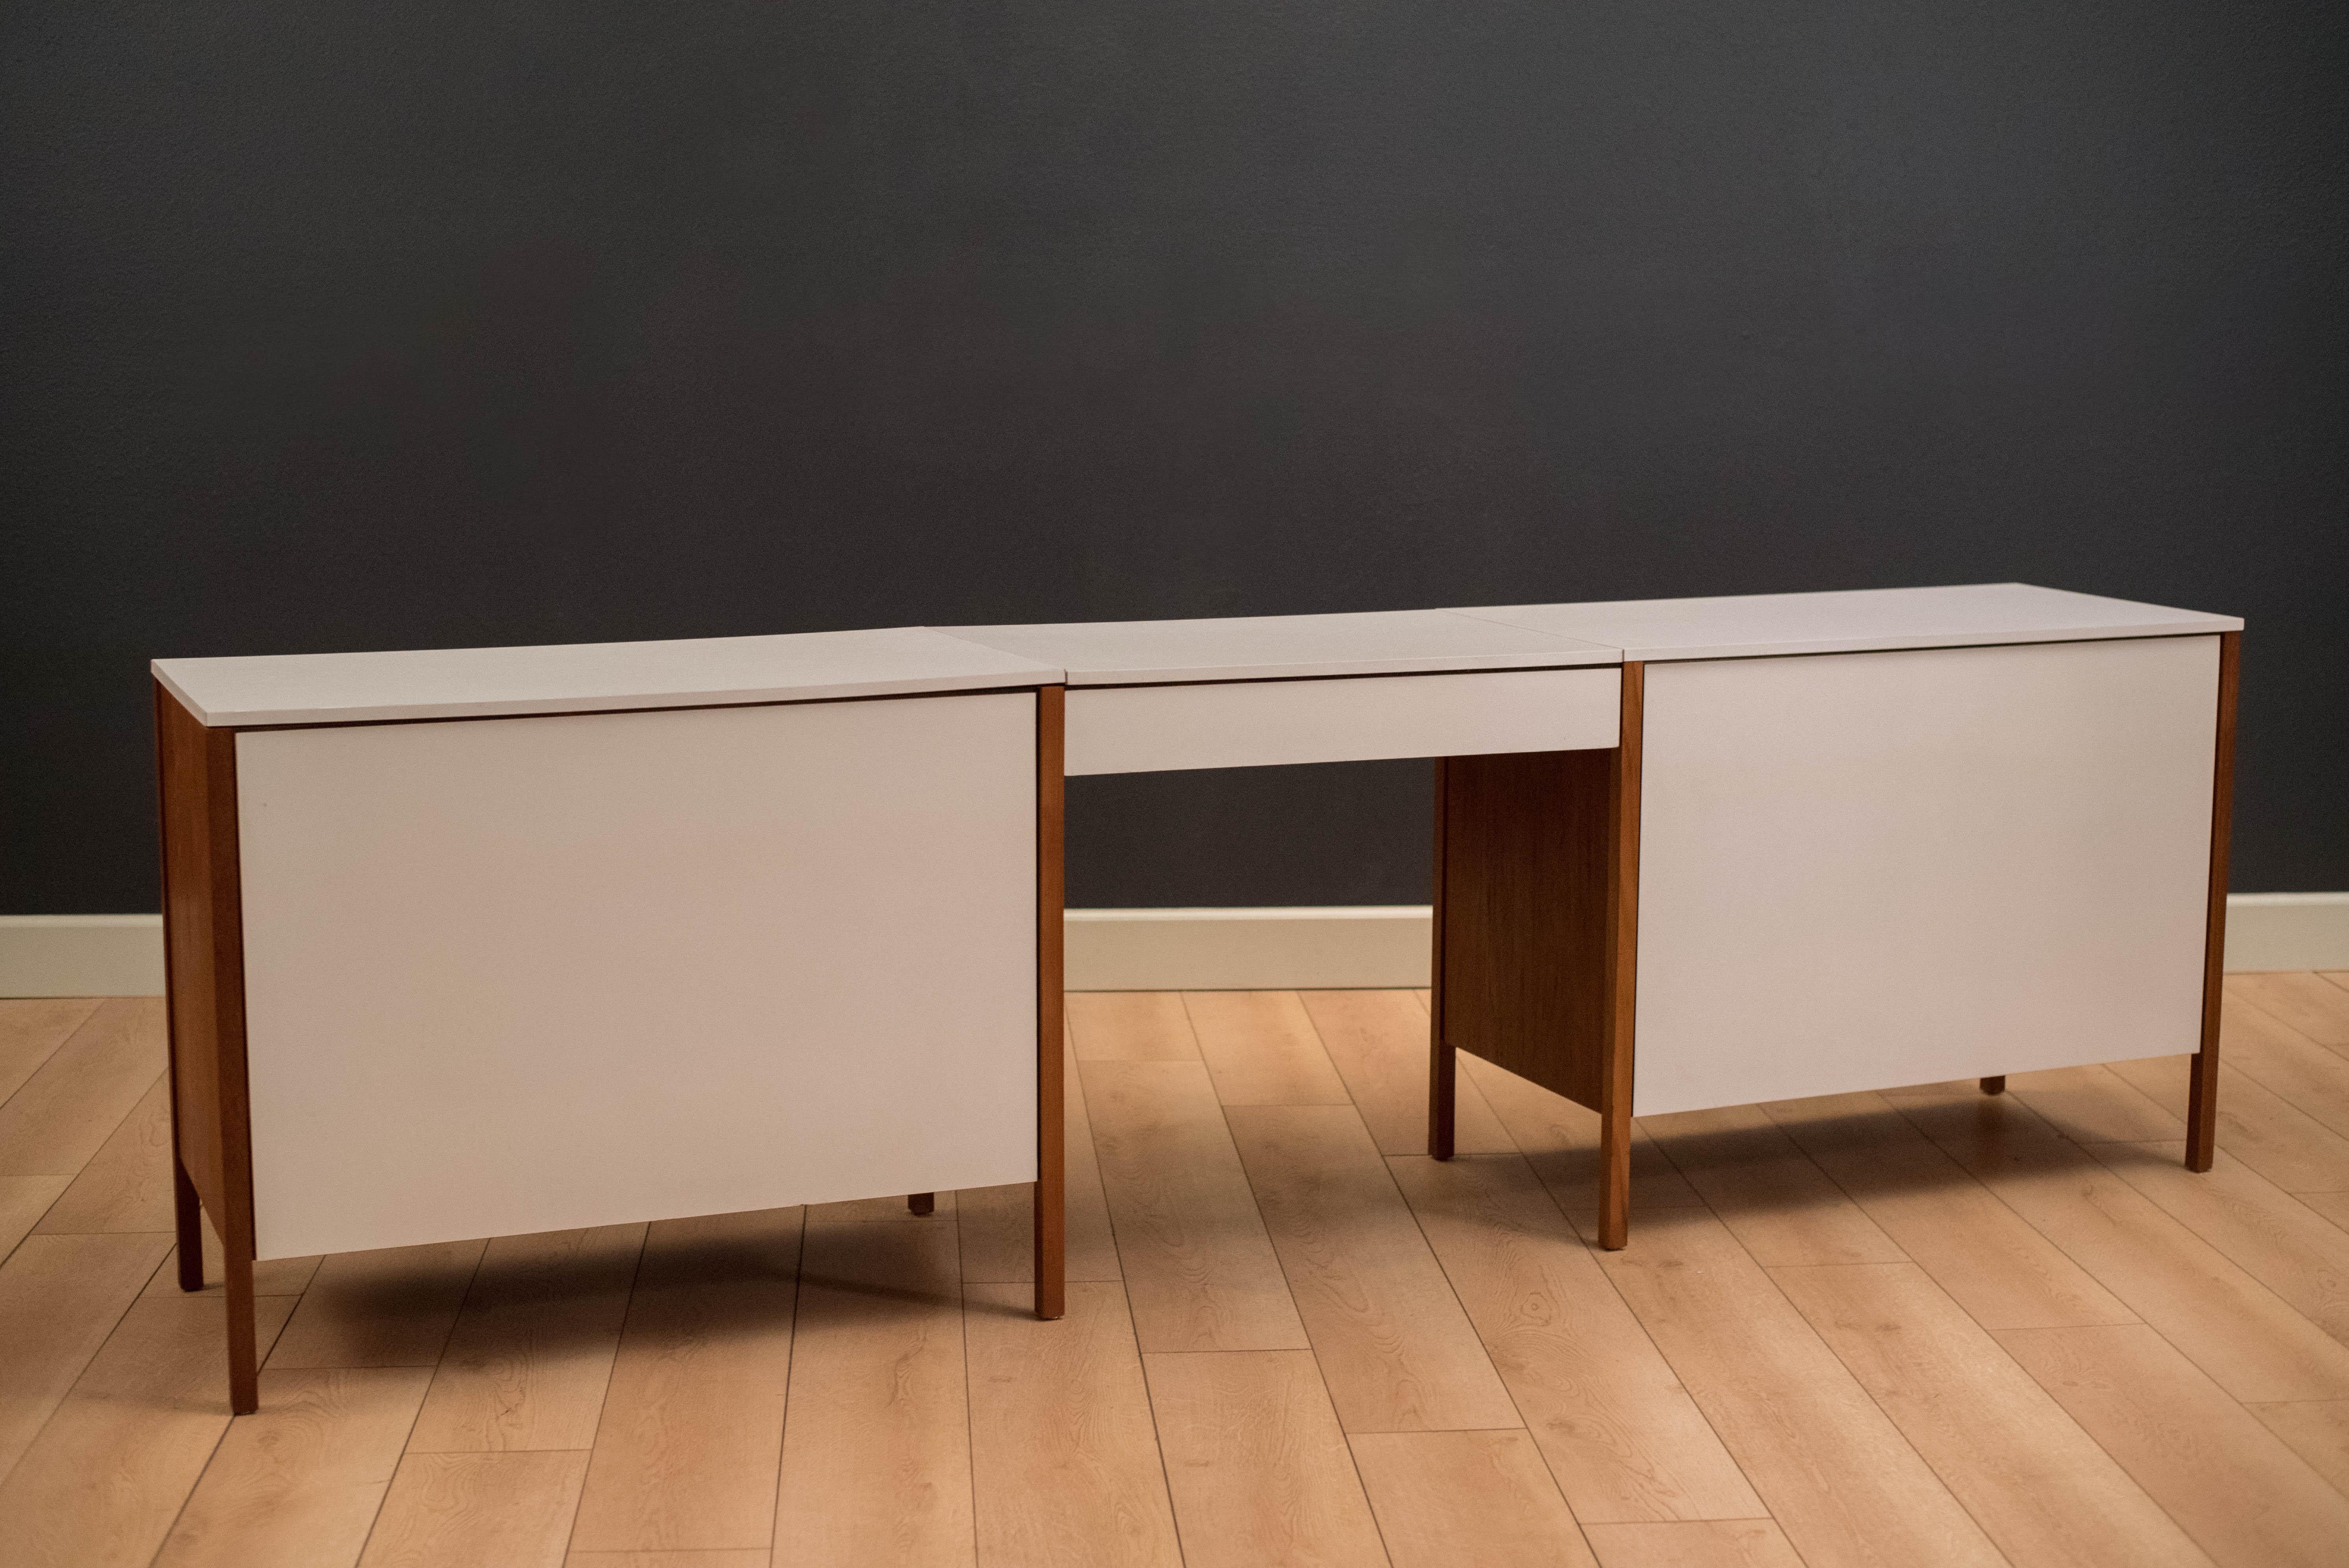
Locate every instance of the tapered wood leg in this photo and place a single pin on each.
(1615, 1178)
(1443, 1090)
(1994, 1085)
(188, 1220)
(1051, 1115)
(922, 1203)
(2203, 1100)
(243, 1366)
(1620, 986)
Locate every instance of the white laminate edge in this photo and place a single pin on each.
(1284, 647)
(587, 678)
(1764, 626)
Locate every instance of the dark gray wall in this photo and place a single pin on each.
(410, 324)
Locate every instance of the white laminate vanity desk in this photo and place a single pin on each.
(1849, 840)
(493, 941)
(696, 927)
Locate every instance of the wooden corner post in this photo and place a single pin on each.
(203, 944)
(2202, 1104)
(1620, 969)
(1052, 1122)
(1443, 1062)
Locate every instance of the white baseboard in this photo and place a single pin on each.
(1335, 949)
(81, 954)
(1135, 949)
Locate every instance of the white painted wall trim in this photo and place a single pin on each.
(1135, 949)
(81, 954)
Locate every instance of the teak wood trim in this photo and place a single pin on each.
(1052, 1126)
(203, 938)
(1442, 1060)
(2202, 1103)
(1621, 1004)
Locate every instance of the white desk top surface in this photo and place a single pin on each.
(1753, 625)
(585, 677)
(1275, 647)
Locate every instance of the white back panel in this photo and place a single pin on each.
(1865, 870)
(1257, 723)
(532, 974)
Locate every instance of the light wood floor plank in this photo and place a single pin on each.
(2315, 1430)
(127, 1186)
(2309, 1003)
(527, 1362)
(102, 1484)
(1448, 1497)
(391, 1307)
(1130, 1026)
(1561, 1140)
(1773, 1199)
(2093, 1104)
(876, 1439)
(1727, 1543)
(692, 1429)
(1982, 1252)
(60, 1296)
(2256, 1125)
(478, 1510)
(1836, 1474)
(1200, 1271)
(1064, 1455)
(1261, 1049)
(1621, 1435)
(2333, 1206)
(2234, 1327)
(1397, 1351)
(2286, 1061)
(667, 1560)
(2038, 1485)
(998, 1223)
(72, 1104)
(31, 1030)
(2270, 1235)
(273, 1276)
(891, 1210)
(1259, 1470)
(2244, 1497)
(299, 1484)
(1377, 1042)
(23, 1200)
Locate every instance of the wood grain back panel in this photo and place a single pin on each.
(1523, 952)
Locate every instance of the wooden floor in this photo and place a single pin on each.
(1919, 1328)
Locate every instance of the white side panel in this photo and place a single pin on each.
(1866, 869)
(527, 974)
(1258, 724)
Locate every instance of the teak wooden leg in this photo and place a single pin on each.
(922, 1203)
(243, 1365)
(1620, 976)
(1443, 1062)
(188, 1220)
(203, 955)
(1996, 1084)
(2202, 1099)
(1052, 1121)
